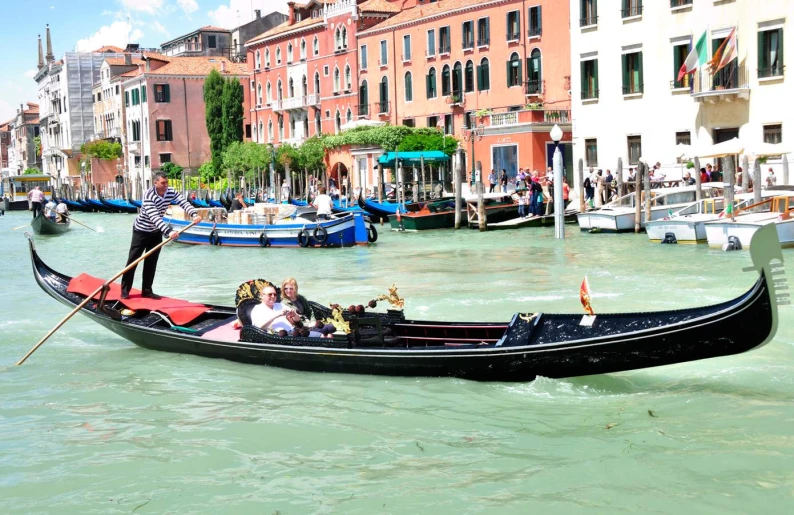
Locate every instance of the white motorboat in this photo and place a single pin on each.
(687, 224)
(776, 210)
(618, 215)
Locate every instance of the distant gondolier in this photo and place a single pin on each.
(148, 231)
(36, 197)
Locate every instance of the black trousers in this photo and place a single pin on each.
(142, 242)
(36, 208)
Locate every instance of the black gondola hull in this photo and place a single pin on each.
(43, 225)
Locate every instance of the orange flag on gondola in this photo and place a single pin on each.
(584, 296)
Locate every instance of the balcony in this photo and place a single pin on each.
(776, 72)
(443, 48)
(456, 99)
(363, 110)
(383, 107)
(499, 119)
(534, 87)
(590, 94)
(483, 41)
(293, 103)
(588, 21)
(633, 11)
(728, 84)
(468, 44)
(683, 84)
(678, 4)
(534, 32)
(634, 89)
(313, 99)
(276, 105)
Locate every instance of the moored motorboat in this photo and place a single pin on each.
(43, 225)
(776, 211)
(526, 346)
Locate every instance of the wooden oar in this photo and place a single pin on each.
(70, 217)
(91, 296)
(20, 227)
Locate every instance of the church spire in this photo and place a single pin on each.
(50, 56)
(41, 55)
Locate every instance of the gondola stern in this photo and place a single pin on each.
(767, 256)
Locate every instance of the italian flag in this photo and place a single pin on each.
(696, 58)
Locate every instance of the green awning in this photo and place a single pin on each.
(413, 158)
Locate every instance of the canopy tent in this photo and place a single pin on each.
(769, 149)
(413, 158)
(732, 147)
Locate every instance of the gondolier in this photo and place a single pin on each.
(148, 231)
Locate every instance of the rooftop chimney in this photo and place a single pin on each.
(128, 59)
(291, 6)
(257, 13)
(41, 55)
(223, 66)
(50, 56)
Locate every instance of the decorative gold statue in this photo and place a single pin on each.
(394, 299)
(338, 320)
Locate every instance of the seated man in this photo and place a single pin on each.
(49, 209)
(62, 211)
(269, 314)
(290, 299)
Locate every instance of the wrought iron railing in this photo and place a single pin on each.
(728, 78)
(587, 21)
(534, 31)
(680, 3)
(633, 88)
(383, 106)
(534, 87)
(512, 35)
(483, 41)
(774, 71)
(684, 83)
(589, 94)
(632, 10)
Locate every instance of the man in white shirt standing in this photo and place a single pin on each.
(324, 204)
(36, 197)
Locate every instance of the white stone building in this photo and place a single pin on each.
(627, 102)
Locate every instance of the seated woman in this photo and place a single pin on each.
(290, 299)
(269, 314)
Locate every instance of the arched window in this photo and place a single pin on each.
(278, 90)
(349, 116)
(261, 133)
(445, 81)
(267, 57)
(337, 39)
(317, 83)
(336, 79)
(432, 87)
(348, 78)
(291, 86)
(535, 73)
(344, 36)
(278, 55)
(337, 121)
(280, 127)
(306, 126)
(409, 87)
(259, 94)
(469, 77)
(269, 92)
(289, 52)
(384, 95)
(514, 70)
(457, 80)
(257, 63)
(304, 86)
(363, 99)
(484, 75)
(316, 45)
(269, 130)
(303, 48)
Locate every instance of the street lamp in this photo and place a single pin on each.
(559, 208)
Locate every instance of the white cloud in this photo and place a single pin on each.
(239, 12)
(159, 28)
(119, 33)
(189, 6)
(144, 6)
(30, 74)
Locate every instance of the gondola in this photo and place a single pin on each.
(529, 345)
(119, 205)
(43, 225)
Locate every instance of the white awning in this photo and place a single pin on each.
(732, 147)
(363, 122)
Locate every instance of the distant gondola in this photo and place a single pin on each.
(43, 225)
(529, 345)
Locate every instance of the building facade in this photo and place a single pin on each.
(5, 144)
(206, 41)
(501, 66)
(259, 25)
(24, 129)
(165, 115)
(628, 83)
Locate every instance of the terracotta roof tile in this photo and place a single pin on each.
(285, 27)
(119, 61)
(421, 11)
(108, 48)
(158, 56)
(379, 6)
(199, 66)
(211, 28)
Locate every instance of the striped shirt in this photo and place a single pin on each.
(150, 218)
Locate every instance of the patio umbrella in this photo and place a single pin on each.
(732, 147)
(769, 149)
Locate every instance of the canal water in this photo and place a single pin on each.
(94, 424)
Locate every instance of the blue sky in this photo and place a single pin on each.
(89, 24)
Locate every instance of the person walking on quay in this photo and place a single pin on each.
(148, 230)
(548, 187)
(608, 186)
(589, 187)
(492, 181)
(503, 181)
(599, 198)
(36, 197)
(521, 205)
(771, 180)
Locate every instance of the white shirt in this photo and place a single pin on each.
(324, 204)
(36, 195)
(61, 208)
(261, 314)
(49, 207)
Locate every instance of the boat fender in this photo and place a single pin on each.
(372, 234)
(320, 234)
(214, 238)
(264, 241)
(304, 238)
(733, 244)
(669, 238)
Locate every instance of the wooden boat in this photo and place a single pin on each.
(532, 221)
(498, 208)
(431, 215)
(43, 225)
(382, 210)
(529, 345)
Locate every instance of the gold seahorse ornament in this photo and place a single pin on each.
(338, 321)
(394, 299)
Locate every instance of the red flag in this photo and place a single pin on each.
(584, 296)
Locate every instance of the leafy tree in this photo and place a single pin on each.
(232, 109)
(246, 157)
(430, 140)
(172, 170)
(31, 171)
(311, 155)
(388, 137)
(213, 109)
(287, 155)
(207, 171)
(101, 149)
(37, 141)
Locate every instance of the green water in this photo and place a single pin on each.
(93, 424)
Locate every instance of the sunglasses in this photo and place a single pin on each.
(270, 294)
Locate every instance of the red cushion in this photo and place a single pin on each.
(179, 311)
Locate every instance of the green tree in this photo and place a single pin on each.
(101, 149)
(287, 155)
(172, 170)
(311, 155)
(213, 110)
(31, 171)
(424, 139)
(208, 172)
(232, 109)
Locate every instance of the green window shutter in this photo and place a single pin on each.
(126, 98)
(486, 76)
(143, 89)
(167, 92)
(582, 8)
(427, 86)
(625, 67)
(540, 71)
(641, 85)
(540, 20)
(529, 69)
(780, 61)
(676, 62)
(508, 74)
(595, 77)
(582, 77)
(518, 75)
(488, 29)
(479, 78)
(762, 58)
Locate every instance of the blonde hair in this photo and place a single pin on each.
(289, 280)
